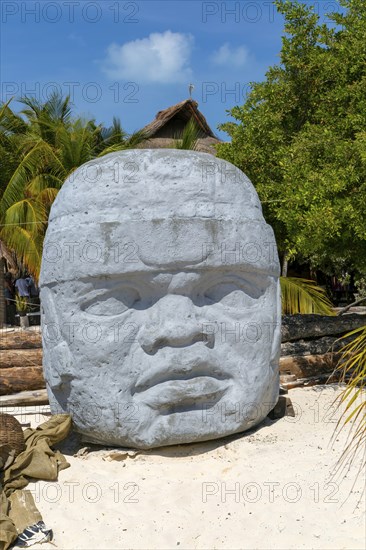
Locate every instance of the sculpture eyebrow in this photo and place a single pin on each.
(134, 277)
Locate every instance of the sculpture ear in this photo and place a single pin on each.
(57, 364)
(57, 359)
(48, 310)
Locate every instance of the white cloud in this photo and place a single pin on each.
(162, 57)
(234, 57)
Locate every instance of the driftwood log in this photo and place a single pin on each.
(35, 397)
(21, 379)
(16, 358)
(305, 366)
(327, 344)
(310, 347)
(303, 327)
(20, 339)
(20, 361)
(312, 381)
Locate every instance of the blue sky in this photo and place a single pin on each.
(131, 59)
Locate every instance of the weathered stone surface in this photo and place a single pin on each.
(161, 300)
(298, 327)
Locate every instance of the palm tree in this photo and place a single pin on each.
(44, 148)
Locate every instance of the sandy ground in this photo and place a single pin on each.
(271, 488)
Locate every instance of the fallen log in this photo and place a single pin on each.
(302, 327)
(36, 397)
(20, 339)
(16, 380)
(287, 378)
(16, 358)
(329, 378)
(305, 366)
(312, 381)
(356, 303)
(327, 344)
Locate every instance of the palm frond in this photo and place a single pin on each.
(132, 142)
(47, 196)
(30, 214)
(304, 296)
(40, 155)
(352, 368)
(26, 245)
(42, 182)
(189, 138)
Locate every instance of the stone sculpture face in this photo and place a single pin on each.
(160, 295)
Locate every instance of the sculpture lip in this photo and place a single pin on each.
(182, 374)
(182, 395)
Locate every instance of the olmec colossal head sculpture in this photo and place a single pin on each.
(160, 294)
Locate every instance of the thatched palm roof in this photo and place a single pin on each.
(160, 132)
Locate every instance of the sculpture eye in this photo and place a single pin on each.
(112, 303)
(231, 294)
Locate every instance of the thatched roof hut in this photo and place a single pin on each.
(170, 123)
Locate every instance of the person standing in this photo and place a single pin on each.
(22, 287)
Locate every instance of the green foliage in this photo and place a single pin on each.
(352, 366)
(21, 303)
(189, 138)
(301, 138)
(304, 296)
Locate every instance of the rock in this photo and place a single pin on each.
(282, 408)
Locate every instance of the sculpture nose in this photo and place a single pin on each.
(173, 323)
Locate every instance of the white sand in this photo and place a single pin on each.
(267, 489)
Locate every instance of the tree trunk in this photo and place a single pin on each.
(9, 257)
(2, 295)
(284, 265)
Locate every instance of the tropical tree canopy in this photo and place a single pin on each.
(39, 149)
(301, 138)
